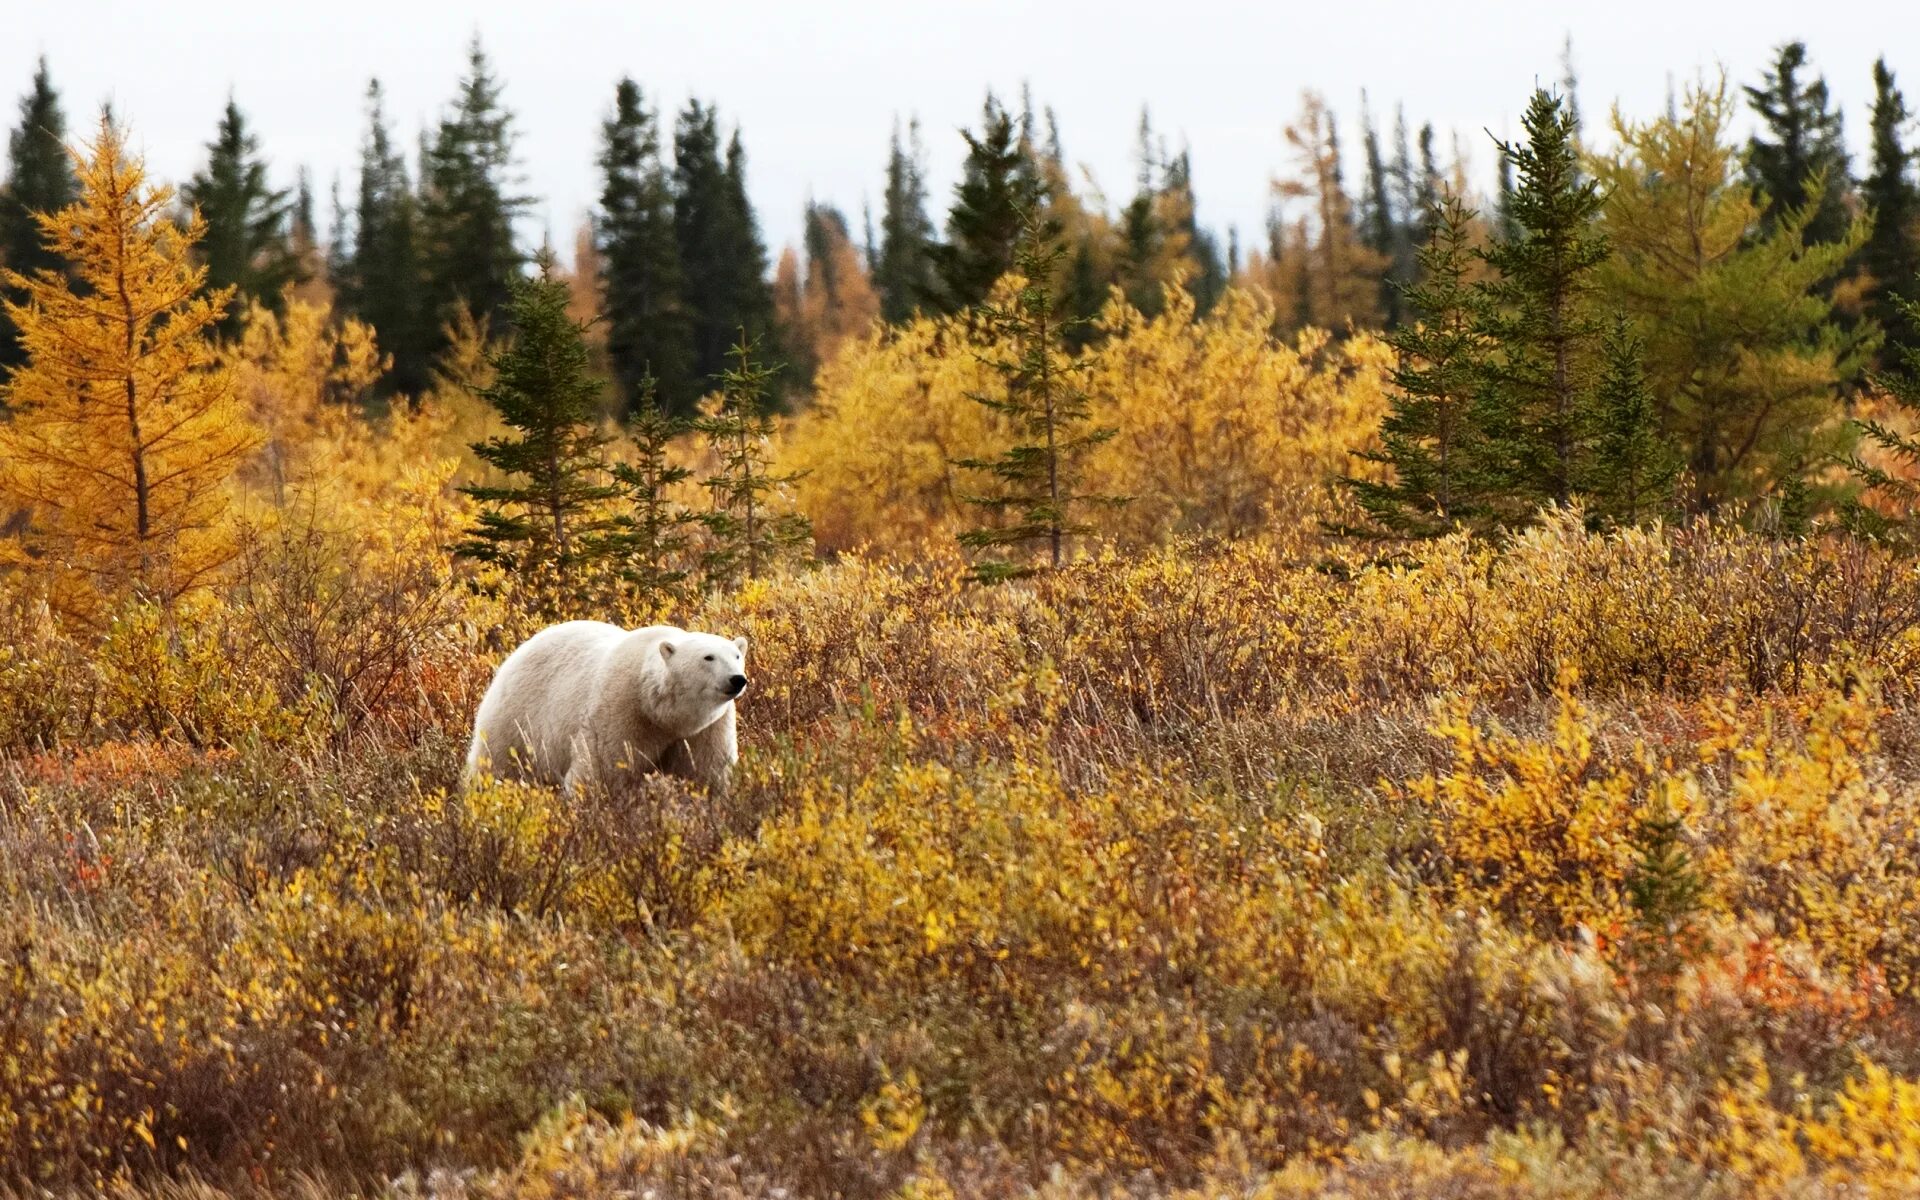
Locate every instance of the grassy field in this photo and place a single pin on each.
(1590, 868)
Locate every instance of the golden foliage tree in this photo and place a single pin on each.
(125, 426)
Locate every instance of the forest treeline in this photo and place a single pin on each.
(1678, 325)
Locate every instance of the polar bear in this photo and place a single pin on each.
(585, 703)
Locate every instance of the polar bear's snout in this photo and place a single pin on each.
(736, 684)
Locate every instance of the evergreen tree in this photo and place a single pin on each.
(1208, 277)
(470, 254)
(651, 539)
(382, 281)
(722, 261)
(903, 272)
(1889, 505)
(1801, 156)
(549, 515)
(1530, 407)
(1426, 192)
(748, 533)
(247, 246)
(1425, 439)
(1379, 226)
(303, 230)
(649, 335)
(1892, 253)
(997, 185)
(1048, 411)
(1632, 466)
(39, 180)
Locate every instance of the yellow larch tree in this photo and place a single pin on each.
(124, 428)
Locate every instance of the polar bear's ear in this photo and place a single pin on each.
(667, 649)
(740, 643)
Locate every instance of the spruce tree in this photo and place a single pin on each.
(1425, 441)
(748, 532)
(39, 180)
(997, 185)
(1889, 505)
(468, 205)
(649, 336)
(1530, 406)
(383, 282)
(1801, 148)
(651, 539)
(1892, 253)
(903, 271)
(247, 246)
(1631, 467)
(1044, 402)
(1379, 225)
(549, 515)
(722, 261)
(1208, 281)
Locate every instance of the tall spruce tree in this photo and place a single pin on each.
(748, 530)
(1208, 280)
(549, 515)
(903, 271)
(1425, 440)
(1892, 253)
(383, 281)
(1629, 473)
(649, 335)
(1801, 148)
(1379, 223)
(39, 179)
(468, 203)
(1530, 407)
(723, 263)
(248, 245)
(1041, 398)
(998, 184)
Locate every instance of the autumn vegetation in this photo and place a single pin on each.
(1424, 711)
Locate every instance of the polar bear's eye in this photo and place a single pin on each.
(709, 658)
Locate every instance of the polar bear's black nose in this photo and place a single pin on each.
(736, 684)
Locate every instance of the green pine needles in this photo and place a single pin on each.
(1036, 501)
(748, 531)
(550, 514)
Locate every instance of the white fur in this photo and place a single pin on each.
(588, 703)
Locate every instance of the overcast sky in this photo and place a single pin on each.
(816, 87)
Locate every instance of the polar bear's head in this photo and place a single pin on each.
(706, 668)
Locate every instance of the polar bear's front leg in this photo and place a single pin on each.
(708, 756)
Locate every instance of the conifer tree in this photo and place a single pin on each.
(125, 427)
(1742, 350)
(549, 515)
(1425, 441)
(1529, 409)
(1801, 156)
(470, 254)
(247, 245)
(1892, 253)
(382, 280)
(748, 530)
(1207, 280)
(649, 335)
(39, 180)
(1889, 505)
(903, 272)
(997, 185)
(1379, 224)
(1631, 468)
(1048, 409)
(651, 540)
(722, 260)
